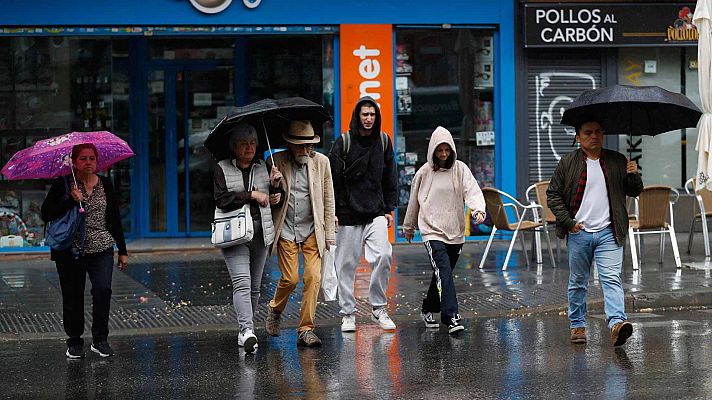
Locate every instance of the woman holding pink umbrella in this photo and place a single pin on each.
(92, 249)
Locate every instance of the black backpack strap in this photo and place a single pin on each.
(384, 141)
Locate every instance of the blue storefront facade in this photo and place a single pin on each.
(161, 74)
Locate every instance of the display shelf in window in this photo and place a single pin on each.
(91, 85)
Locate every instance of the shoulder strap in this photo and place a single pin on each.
(346, 146)
(347, 142)
(252, 178)
(67, 189)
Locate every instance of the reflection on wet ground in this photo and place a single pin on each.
(668, 357)
(178, 290)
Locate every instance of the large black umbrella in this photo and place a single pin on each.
(270, 116)
(633, 110)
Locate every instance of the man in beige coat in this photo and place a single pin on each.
(305, 219)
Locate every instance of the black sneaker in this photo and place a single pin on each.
(102, 348)
(75, 352)
(455, 325)
(428, 319)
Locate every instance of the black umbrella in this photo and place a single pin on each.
(633, 110)
(267, 115)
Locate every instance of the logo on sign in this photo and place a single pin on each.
(683, 30)
(216, 6)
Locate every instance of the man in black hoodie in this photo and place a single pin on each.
(364, 174)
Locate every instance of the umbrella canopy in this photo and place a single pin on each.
(270, 116)
(702, 17)
(47, 159)
(633, 110)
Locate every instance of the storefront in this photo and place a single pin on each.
(161, 78)
(569, 48)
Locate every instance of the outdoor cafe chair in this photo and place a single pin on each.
(654, 213)
(539, 189)
(699, 211)
(496, 208)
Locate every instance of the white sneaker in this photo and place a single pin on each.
(348, 323)
(380, 316)
(248, 340)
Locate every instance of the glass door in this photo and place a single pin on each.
(185, 101)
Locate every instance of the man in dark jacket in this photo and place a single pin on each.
(587, 194)
(364, 175)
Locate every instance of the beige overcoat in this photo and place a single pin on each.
(321, 192)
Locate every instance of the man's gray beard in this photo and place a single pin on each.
(301, 159)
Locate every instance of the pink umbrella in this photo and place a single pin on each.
(49, 158)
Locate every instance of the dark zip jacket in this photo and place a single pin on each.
(564, 184)
(365, 184)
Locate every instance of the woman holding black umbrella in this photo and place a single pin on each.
(91, 251)
(232, 190)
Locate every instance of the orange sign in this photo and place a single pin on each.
(367, 70)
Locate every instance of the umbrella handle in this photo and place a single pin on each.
(269, 147)
(71, 168)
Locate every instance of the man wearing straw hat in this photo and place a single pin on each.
(305, 220)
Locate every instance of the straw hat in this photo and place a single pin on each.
(301, 132)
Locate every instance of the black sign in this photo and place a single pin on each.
(609, 25)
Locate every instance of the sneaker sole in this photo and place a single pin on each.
(624, 333)
(431, 325)
(385, 328)
(578, 341)
(250, 345)
(95, 350)
(456, 329)
(348, 329)
(72, 357)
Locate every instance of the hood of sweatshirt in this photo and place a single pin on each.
(356, 121)
(440, 135)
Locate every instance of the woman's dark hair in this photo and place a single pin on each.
(78, 149)
(448, 162)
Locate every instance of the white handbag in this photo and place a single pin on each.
(233, 227)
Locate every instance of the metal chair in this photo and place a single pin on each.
(654, 208)
(704, 203)
(496, 208)
(539, 189)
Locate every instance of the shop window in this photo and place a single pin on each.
(50, 86)
(288, 66)
(664, 159)
(192, 49)
(445, 78)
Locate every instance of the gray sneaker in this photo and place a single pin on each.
(308, 339)
(272, 321)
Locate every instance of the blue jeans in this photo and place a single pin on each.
(584, 247)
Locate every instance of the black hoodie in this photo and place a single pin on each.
(365, 179)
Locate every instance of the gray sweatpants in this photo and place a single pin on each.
(245, 263)
(378, 253)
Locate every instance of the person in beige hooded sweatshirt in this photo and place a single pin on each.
(441, 189)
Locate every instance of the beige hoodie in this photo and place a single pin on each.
(438, 198)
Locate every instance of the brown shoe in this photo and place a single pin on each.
(272, 321)
(578, 335)
(621, 332)
(308, 339)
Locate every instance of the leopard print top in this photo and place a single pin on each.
(97, 237)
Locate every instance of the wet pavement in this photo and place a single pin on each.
(668, 356)
(189, 291)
